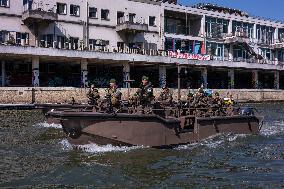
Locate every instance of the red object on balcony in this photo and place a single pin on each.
(202, 48)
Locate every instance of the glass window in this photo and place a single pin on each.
(61, 8)
(74, 10)
(4, 3)
(152, 20)
(105, 14)
(132, 17)
(169, 44)
(120, 17)
(22, 38)
(93, 12)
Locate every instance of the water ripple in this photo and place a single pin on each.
(272, 128)
(95, 148)
(47, 125)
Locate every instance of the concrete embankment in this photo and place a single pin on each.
(64, 94)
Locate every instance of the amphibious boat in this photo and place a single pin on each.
(153, 130)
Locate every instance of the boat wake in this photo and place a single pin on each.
(95, 148)
(213, 141)
(47, 125)
(272, 128)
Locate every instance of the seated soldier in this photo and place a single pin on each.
(113, 94)
(217, 105)
(166, 97)
(190, 98)
(93, 95)
(229, 104)
(229, 100)
(189, 103)
(200, 102)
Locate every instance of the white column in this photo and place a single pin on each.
(84, 73)
(230, 27)
(255, 79)
(202, 27)
(276, 80)
(3, 73)
(231, 52)
(204, 77)
(162, 75)
(35, 66)
(276, 39)
(231, 75)
(126, 74)
(254, 31)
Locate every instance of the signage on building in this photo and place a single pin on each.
(188, 56)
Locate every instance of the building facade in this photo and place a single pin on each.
(78, 42)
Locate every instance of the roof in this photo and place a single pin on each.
(212, 7)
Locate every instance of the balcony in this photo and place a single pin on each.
(238, 37)
(38, 16)
(131, 26)
(279, 45)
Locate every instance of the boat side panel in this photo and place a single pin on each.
(147, 133)
(237, 125)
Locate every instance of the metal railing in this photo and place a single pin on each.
(80, 46)
(39, 6)
(133, 20)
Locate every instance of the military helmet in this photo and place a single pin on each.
(190, 94)
(112, 81)
(145, 78)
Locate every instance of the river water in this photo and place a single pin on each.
(35, 154)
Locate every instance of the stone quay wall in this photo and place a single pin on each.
(17, 95)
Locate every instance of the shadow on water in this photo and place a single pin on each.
(38, 156)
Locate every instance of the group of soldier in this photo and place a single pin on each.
(143, 96)
(202, 103)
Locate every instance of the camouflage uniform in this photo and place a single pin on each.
(145, 94)
(115, 96)
(200, 104)
(217, 105)
(166, 97)
(189, 104)
(93, 96)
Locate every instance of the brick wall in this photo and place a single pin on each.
(63, 95)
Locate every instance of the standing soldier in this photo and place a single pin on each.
(113, 94)
(93, 95)
(166, 97)
(145, 95)
(145, 92)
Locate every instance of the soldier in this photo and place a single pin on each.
(217, 105)
(200, 102)
(189, 103)
(93, 95)
(190, 98)
(229, 104)
(166, 97)
(145, 92)
(113, 94)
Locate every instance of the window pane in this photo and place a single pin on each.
(104, 14)
(152, 20)
(92, 12)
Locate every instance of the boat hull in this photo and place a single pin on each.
(149, 130)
